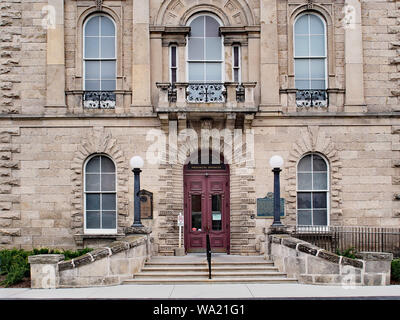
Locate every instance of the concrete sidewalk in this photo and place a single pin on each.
(205, 291)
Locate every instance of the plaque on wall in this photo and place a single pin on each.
(146, 204)
(265, 206)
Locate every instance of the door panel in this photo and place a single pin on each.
(207, 210)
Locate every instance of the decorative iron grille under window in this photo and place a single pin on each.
(311, 98)
(206, 93)
(98, 100)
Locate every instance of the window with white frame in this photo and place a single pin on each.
(236, 63)
(99, 54)
(312, 191)
(205, 50)
(310, 60)
(100, 195)
(173, 64)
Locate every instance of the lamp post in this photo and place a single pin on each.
(276, 163)
(136, 163)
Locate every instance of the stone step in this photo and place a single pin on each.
(179, 275)
(205, 280)
(205, 267)
(213, 263)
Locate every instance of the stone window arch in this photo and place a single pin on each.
(100, 195)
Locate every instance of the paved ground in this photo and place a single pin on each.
(204, 291)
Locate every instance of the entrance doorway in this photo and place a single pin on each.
(207, 207)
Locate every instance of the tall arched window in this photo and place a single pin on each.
(100, 195)
(310, 56)
(312, 191)
(99, 54)
(205, 60)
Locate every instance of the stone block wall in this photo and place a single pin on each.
(101, 267)
(313, 265)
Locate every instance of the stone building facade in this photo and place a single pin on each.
(53, 120)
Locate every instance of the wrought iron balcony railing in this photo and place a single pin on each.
(98, 99)
(311, 98)
(206, 93)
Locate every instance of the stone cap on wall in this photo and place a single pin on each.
(305, 247)
(46, 258)
(375, 256)
(97, 254)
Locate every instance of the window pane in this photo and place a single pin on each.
(107, 165)
(173, 56)
(92, 70)
(216, 212)
(305, 164)
(92, 47)
(108, 201)
(319, 164)
(316, 25)
(236, 75)
(320, 218)
(92, 220)
(302, 84)
(197, 27)
(92, 201)
(213, 72)
(304, 217)
(319, 200)
(301, 46)
(196, 72)
(196, 49)
(92, 27)
(236, 56)
(196, 211)
(304, 181)
(107, 182)
(304, 200)
(92, 85)
(318, 84)
(213, 49)
(212, 27)
(108, 220)
(301, 26)
(302, 69)
(317, 45)
(108, 85)
(92, 182)
(107, 70)
(173, 75)
(317, 68)
(93, 165)
(108, 47)
(107, 27)
(319, 181)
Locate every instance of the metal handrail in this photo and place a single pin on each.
(208, 255)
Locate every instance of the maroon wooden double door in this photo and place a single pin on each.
(206, 206)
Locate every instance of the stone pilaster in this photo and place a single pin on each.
(354, 73)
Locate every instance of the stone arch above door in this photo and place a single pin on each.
(232, 12)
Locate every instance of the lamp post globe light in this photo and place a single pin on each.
(136, 163)
(276, 162)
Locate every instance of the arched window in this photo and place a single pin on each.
(100, 195)
(99, 54)
(310, 55)
(205, 54)
(312, 191)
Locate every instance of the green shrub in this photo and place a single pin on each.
(348, 253)
(395, 270)
(14, 263)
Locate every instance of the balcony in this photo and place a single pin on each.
(206, 97)
(311, 98)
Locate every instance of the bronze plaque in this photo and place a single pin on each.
(146, 204)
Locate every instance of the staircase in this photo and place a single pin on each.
(193, 269)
